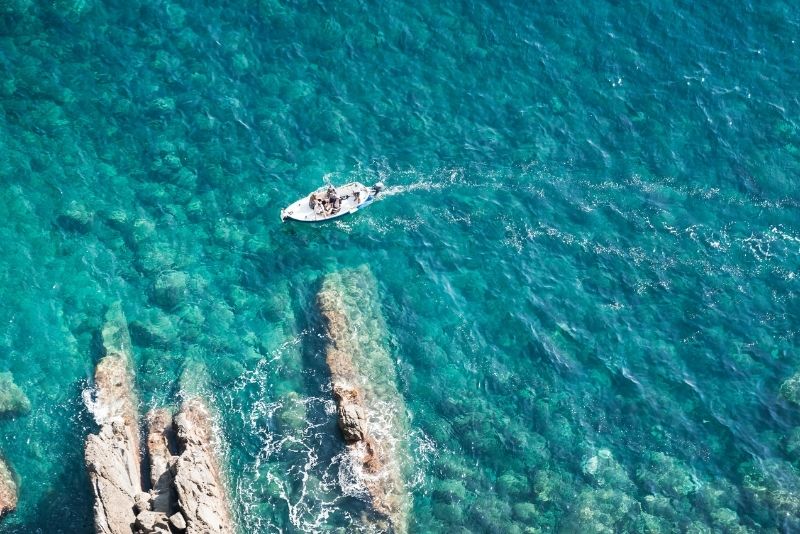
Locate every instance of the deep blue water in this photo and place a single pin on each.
(585, 269)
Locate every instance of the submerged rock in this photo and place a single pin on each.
(76, 217)
(198, 482)
(170, 288)
(8, 490)
(12, 398)
(370, 409)
(790, 389)
(112, 455)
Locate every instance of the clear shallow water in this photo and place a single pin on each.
(587, 270)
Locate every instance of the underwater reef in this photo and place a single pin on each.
(185, 492)
(371, 412)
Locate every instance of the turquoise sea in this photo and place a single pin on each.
(586, 269)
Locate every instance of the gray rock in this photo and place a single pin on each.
(161, 443)
(198, 481)
(149, 522)
(142, 502)
(8, 490)
(12, 398)
(352, 420)
(178, 521)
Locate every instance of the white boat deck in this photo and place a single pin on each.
(302, 211)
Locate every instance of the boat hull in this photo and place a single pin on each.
(301, 211)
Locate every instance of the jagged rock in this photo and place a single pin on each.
(112, 455)
(201, 495)
(8, 490)
(178, 521)
(12, 398)
(370, 409)
(161, 443)
(150, 522)
(187, 491)
(352, 420)
(142, 502)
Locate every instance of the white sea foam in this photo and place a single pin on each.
(99, 411)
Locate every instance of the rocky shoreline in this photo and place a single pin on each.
(185, 492)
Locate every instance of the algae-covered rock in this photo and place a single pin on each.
(155, 329)
(792, 444)
(512, 484)
(155, 257)
(170, 288)
(12, 398)
(76, 217)
(790, 389)
(143, 228)
(290, 417)
(604, 470)
(645, 523)
(8, 489)
(491, 515)
(667, 474)
(525, 512)
(450, 491)
(727, 520)
(548, 485)
(451, 514)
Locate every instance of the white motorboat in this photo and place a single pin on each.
(330, 202)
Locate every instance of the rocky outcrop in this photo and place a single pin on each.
(370, 409)
(184, 492)
(8, 490)
(112, 455)
(198, 482)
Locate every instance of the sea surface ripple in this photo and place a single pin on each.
(586, 262)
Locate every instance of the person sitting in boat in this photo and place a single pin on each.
(319, 209)
(333, 200)
(312, 201)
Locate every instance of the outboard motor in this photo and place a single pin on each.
(377, 188)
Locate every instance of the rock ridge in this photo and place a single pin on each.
(361, 402)
(185, 492)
